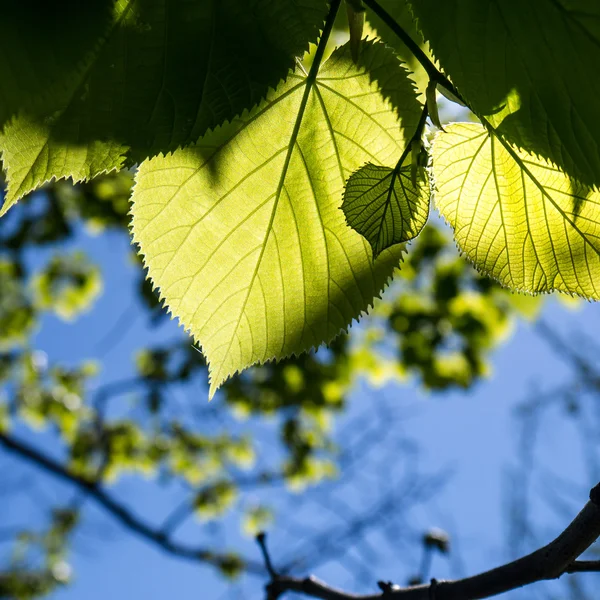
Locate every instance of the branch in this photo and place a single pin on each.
(550, 562)
(126, 518)
(414, 48)
(37, 583)
(432, 71)
(417, 137)
(584, 566)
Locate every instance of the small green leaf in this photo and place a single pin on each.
(68, 285)
(449, 95)
(257, 519)
(384, 206)
(17, 314)
(243, 233)
(215, 499)
(517, 217)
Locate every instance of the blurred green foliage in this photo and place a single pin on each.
(17, 315)
(68, 285)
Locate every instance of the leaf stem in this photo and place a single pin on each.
(434, 75)
(432, 71)
(416, 136)
(327, 28)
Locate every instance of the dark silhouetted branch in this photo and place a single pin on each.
(550, 562)
(414, 48)
(584, 566)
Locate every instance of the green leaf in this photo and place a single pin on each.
(516, 216)
(256, 518)
(17, 315)
(32, 157)
(528, 68)
(243, 233)
(384, 206)
(162, 75)
(42, 44)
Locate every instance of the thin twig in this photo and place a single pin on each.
(550, 562)
(414, 48)
(584, 566)
(126, 518)
(432, 71)
(261, 538)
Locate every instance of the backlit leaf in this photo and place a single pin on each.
(400, 12)
(517, 217)
(384, 206)
(243, 233)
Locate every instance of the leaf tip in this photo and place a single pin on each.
(212, 390)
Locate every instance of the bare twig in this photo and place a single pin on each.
(550, 562)
(584, 566)
(261, 538)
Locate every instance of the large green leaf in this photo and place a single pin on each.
(529, 68)
(162, 74)
(517, 217)
(243, 233)
(385, 206)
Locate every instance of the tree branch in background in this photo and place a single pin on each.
(118, 511)
(549, 562)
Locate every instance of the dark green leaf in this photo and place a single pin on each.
(162, 75)
(384, 206)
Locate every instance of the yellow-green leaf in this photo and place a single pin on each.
(516, 216)
(243, 233)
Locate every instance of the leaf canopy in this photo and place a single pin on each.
(517, 217)
(243, 233)
(43, 45)
(159, 75)
(528, 68)
(384, 205)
